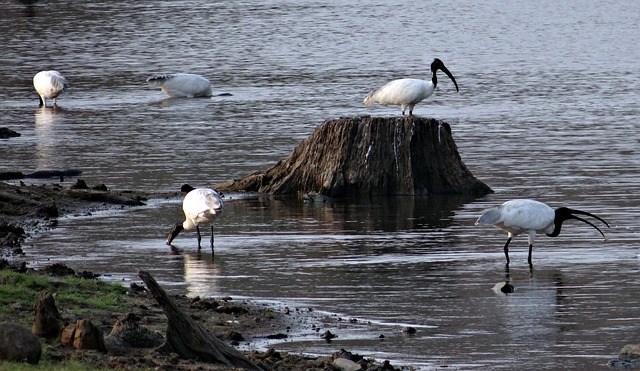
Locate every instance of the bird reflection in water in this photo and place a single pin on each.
(47, 121)
(201, 275)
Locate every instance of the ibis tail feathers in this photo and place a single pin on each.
(158, 81)
(490, 217)
(369, 100)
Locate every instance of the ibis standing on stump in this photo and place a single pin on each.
(182, 85)
(200, 205)
(529, 216)
(408, 92)
(49, 85)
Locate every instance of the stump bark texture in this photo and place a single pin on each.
(47, 323)
(189, 339)
(83, 335)
(358, 156)
(128, 333)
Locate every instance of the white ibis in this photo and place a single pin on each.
(182, 85)
(49, 85)
(200, 205)
(530, 216)
(408, 92)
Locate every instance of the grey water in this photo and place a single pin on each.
(548, 109)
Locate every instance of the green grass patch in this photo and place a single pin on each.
(19, 293)
(90, 294)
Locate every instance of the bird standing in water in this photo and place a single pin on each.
(200, 205)
(530, 216)
(49, 85)
(408, 92)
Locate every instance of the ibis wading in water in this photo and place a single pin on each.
(529, 216)
(200, 205)
(408, 92)
(49, 85)
(182, 85)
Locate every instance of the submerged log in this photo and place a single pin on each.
(40, 174)
(356, 156)
(189, 339)
(8, 133)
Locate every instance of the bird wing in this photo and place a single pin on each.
(202, 200)
(214, 200)
(58, 82)
(401, 91)
(182, 85)
(49, 83)
(201, 205)
(520, 214)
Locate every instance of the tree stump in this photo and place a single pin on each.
(83, 335)
(48, 323)
(188, 338)
(127, 333)
(356, 156)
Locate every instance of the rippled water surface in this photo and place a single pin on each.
(548, 109)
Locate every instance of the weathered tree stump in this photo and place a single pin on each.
(127, 333)
(358, 156)
(48, 323)
(188, 338)
(83, 335)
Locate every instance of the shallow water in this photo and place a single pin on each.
(547, 109)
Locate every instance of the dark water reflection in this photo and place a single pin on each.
(547, 109)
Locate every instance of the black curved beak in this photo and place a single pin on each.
(173, 233)
(446, 70)
(574, 211)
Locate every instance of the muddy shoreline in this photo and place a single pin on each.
(27, 210)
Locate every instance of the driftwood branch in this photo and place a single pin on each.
(188, 338)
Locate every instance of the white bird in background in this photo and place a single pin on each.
(408, 92)
(530, 217)
(49, 85)
(182, 85)
(200, 205)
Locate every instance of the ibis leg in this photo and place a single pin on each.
(199, 238)
(211, 240)
(506, 249)
(529, 259)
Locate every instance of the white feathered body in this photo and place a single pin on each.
(520, 216)
(49, 85)
(182, 85)
(401, 92)
(201, 205)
